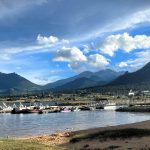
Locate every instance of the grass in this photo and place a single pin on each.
(24, 145)
(112, 134)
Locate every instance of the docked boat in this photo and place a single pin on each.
(6, 109)
(112, 106)
(19, 111)
(66, 110)
(53, 111)
(35, 110)
(26, 110)
(85, 108)
(76, 109)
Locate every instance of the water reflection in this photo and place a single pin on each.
(35, 124)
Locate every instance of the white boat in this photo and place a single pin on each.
(76, 109)
(6, 108)
(22, 107)
(41, 107)
(111, 106)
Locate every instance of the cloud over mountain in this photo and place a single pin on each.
(97, 61)
(70, 55)
(82, 34)
(140, 59)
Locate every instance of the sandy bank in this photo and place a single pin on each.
(130, 136)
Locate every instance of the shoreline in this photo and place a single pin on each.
(82, 140)
(128, 136)
(76, 131)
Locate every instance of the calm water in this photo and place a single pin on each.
(35, 124)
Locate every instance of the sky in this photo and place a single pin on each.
(48, 40)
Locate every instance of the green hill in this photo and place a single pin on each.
(15, 83)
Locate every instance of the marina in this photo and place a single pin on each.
(23, 108)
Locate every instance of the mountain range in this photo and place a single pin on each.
(104, 78)
(84, 80)
(11, 83)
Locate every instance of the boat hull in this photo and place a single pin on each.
(25, 111)
(111, 107)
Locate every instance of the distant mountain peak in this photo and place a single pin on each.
(86, 78)
(146, 66)
(140, 76)
(14, 81)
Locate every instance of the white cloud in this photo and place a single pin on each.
(129, 21)
(123, 64)
(64, 41)
(124, 42)
(93, 63)
(72, 54)
(79, 62)
(44, 44)
(47, 40)
(5, 53)
(77, 66)
(86, 49)
(132, 20)
(97, 61)
(141, 58)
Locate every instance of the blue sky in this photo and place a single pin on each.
(47, 40)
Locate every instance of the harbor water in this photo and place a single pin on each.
(16, 125)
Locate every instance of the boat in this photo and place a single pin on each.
(41, 106)
(76, 109)
(112, 106)
(22, 107)
(53, 111)
(6, 109)
(26, 110)
(66, 110)
(85, 108)
(19, 111)
(35, 110)
(99, 107)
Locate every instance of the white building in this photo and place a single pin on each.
(131, 93)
